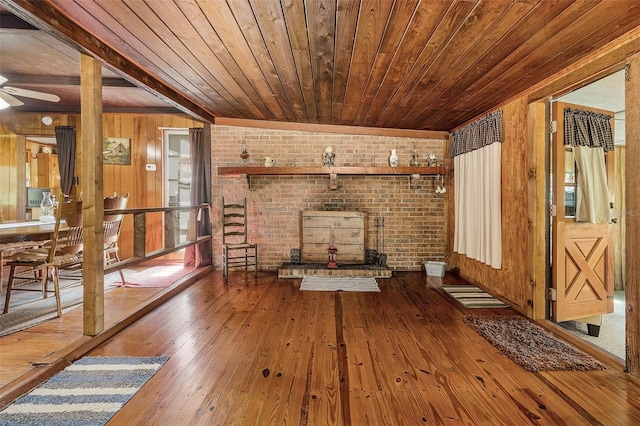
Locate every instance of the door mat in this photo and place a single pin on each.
(339, 284)
(530, 345)
(473, 297)
(88, 392)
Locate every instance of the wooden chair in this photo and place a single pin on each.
(236, 250)
(64, 251)
(9, 249)
(112, 227)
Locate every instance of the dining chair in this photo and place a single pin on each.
(64, 251)
(112, 227)
(8, 249)
(236, 250)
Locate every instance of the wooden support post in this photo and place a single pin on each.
(632, 183)
(170, 229)
(537, 210)
(92, 190)
(139, 235)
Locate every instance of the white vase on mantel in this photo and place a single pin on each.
(393, 158)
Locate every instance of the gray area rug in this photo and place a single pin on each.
(29, 308)
(88, 392)
(339, 284)
(531, 346)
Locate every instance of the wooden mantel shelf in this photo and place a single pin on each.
(332, 172)
(318, 170)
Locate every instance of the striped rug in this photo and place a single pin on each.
(339, 284)
(473, 297)
(88, 392)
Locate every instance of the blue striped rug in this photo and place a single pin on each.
(88, 392)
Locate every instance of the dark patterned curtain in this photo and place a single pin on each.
(478, 134)
(587, 128)
(66, 147)
(200, 254)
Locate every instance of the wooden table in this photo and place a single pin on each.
(11, 232)
(21, 235)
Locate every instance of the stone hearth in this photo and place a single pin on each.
(290, 270)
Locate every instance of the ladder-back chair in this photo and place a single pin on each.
(236, 250)
(64, 251)
(112, 227)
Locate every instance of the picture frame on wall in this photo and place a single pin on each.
(116, 151)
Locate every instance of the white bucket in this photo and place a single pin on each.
(434, 269)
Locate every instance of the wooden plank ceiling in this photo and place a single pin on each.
(428, 65)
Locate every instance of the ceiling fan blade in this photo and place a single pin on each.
(10, 99)
(31, 94)
(2, 80)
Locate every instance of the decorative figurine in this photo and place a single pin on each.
(332, 254)
(433, 160)
(244, 154)
(328, 156)
(415, 158)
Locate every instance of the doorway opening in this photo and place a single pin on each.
(608, 94)
(177, 180)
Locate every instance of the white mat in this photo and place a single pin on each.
(339, 284)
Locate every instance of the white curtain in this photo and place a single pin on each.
(476, 150)
(592, 193)
(591, 135)
(478, 209)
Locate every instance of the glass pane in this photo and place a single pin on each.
(570, 201)
(569, 183)
(178, 177)
(569, 167)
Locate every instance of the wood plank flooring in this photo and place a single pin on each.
(264, 352)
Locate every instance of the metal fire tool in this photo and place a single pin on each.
(382, 257)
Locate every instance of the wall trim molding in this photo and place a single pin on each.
(329, 128)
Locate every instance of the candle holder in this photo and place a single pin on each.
(332, 254)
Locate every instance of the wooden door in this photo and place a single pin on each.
(582, 252)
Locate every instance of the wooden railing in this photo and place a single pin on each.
(171, 243)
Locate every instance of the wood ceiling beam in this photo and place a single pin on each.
(75, 109)
(9, 21)
(62, 80)
(331, 128)
(48, 18)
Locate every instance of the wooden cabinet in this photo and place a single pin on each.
(346, 229)
(48, 173)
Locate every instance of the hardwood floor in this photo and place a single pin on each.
(264, 352)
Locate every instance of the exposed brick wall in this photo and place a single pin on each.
(414, 214)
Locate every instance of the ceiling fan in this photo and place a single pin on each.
(8, 95)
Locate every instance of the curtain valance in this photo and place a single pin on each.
(480, 133)
(587, 128)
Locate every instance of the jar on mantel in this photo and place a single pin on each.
(393, 158)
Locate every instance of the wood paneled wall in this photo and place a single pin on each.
(8, 175)
(632, 267)
(145, 187)
(13, 128)
(512, 281)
